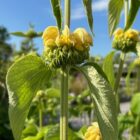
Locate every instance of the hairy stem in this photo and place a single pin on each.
(64, 105)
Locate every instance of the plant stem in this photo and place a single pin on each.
(118, 78)
(122, 59)
(64, 85)
(40, 118)
(40, 114)
(64, 105)
(67, 13)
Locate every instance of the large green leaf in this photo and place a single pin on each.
(88, 9)
(108, 68)
(57, 12)
(135, 4)
(104, 101)
(24, 79)
(114, 11)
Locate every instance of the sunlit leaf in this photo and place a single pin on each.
(108, 67)
(57, 12)
(104, 101)
(24, 79)
(88, 9)
(135, 4)
(114, 12)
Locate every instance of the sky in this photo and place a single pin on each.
(16, 15)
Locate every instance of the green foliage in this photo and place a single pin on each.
(135, 5)
(53, 134)
(127, 79)
(57, 12)
(104, 101)
(135, 104)
(29, 34)
(108, 67)
(88, 9)
(24, 79)
(131, 120)
(114, 12)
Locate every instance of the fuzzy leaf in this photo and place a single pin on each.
(24, 78)
(57, 12)
(108, 67)
(114, 12)
(88, 9)
(104, 101)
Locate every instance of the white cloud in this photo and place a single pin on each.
(98, 6)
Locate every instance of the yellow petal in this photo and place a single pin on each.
(118, 31)
(50, 32)
(84, 36)
(66, 31)
(50, 43)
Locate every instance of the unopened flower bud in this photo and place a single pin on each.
(93, 132)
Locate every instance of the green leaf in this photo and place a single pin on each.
(138, 49)
(52, 93)
(24, 79)
(135, 4)
(104, 101)
(88, 9)
(135, 104)
(114, 12)
(108, 67)
(81, 132)
(57, 12)
(20, 34)
(29, 34)
(54, 134)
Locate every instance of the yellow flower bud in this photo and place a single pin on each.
(49, 36)
(65, 48)
(132, 34)
(84, 37)
(118, 33)
(125, 41)
(66, 38)
(93, 132)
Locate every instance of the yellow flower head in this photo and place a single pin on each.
(66, 38)
(93, 132)
(49, 36)
(64, 48)
(132, 34)
(83, 39)
(118, 33)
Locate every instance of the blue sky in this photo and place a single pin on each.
(17, 14)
